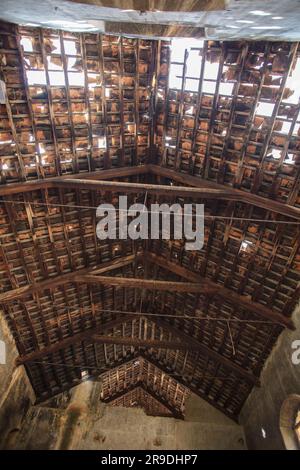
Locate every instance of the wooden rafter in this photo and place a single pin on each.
(51, 283)
(138, 283)
(223, 292)
(185, 343)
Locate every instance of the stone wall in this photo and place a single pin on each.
(280, 379)
(16, 394)
(79, 420)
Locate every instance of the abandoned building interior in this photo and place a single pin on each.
(143, 344)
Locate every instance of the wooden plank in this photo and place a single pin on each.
(202, 189)
(151, 284)
(92, 337)
(223, 292)
(50, 283)
(183, 381)
(208, 351)
(7, 189)
(218, 191)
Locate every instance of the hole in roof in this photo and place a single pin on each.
(209, 87)
(285, 128)
(211, 70)
(289, 159)
(27, 44)
(70, 47)
(226, 89)
(246, 245)
(76, 79)
(57, 78)
(102, 142)
(36, 77)
(264, 109)
(193, 62)
(191, 85)
(293, 84)
(296, 128)
(274, 153)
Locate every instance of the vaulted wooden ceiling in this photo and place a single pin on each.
(89, 117)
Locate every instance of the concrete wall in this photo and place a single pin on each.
(16, 394)
(83, 422)
(280, 379)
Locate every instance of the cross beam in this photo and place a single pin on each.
(184, 343)
(151, 284)
(223, 292)
(51, 283)
(195, 187)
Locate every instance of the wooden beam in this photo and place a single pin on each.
(219, 191)
(133, 188)
(180, 379)
(65, 278)
(186, 343)
(93, 337)
(229, 364)
(175, 412)
(199, 188)
(7, 189)
(223, 292)
(141, 343)
(151, 284)
(71, 340)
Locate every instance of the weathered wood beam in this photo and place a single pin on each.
(128, 188)
(223, 292)
(185, 343)
(181, 379)
(229, 364)
(71, 340)
(65, 278)
(219, 191)
(159, 398)
(93, 337)
(197, 187)
(141, 343)
(7, 189)
(151, 284)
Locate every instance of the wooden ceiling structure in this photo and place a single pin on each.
(88, 117)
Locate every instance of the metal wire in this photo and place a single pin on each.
(221, 217)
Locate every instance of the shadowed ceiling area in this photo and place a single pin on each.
(87, 117)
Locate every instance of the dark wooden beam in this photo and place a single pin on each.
(176, 414)
(65, 278)
(219, 191)
(197, 188)
(184, 342)
(93, 337)
(71, 340)
(16, 188)
(133, 188)
(180, 379)
(151, 284)
(223, 292)
(208, 352)
(141, 343)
